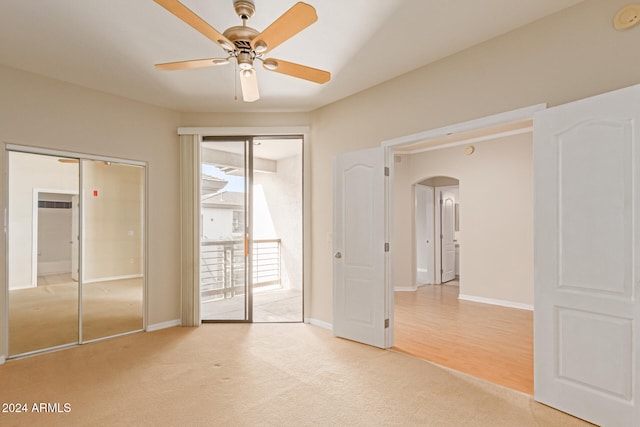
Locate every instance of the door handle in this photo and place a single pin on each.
(338, 255)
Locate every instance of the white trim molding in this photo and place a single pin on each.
(492, 301)
(243, 131)
(2, 359)
(405, 288)
(320, 323)
(525, 113)
(164, 325)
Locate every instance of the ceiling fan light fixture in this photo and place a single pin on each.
(270, 64)
(260, 47)
(247, 73)
(245, 61)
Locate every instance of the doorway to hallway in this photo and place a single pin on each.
(486, 341)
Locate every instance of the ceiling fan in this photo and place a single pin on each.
(245, 44)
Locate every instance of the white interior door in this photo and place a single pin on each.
(587, 235)
(424, 234)
(361, 296)
(448, 244)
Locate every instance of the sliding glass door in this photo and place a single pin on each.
(225, 256)
(251, 229)
(75, 250)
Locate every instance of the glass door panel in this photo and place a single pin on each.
(224, 235)
(277, 229)
(112, 268)
(42, 252)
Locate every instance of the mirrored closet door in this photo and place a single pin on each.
(75, 240)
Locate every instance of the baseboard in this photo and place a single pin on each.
(164, 325)
(496, 302)
(110, 279)
(2, 359)
(405, 288)
(319, 323)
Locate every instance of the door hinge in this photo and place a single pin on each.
(386, 247)
(386, 323)
(386, 171)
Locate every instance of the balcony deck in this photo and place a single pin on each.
(269, 305)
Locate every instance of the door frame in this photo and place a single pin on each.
(197, 133)
(445, 134)
(34, 235)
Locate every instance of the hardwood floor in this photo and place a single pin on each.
(487, 341)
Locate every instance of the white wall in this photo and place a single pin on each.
(217, 223)
(496, 216)
(279, 214)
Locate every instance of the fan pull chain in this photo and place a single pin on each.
(235, 85)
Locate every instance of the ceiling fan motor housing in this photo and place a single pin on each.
(241, 37)
(244, 8)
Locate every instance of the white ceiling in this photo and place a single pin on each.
(111, 45)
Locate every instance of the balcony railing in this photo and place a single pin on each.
(222, 267)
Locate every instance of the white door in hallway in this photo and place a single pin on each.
(447, 230)
(361, 295)
(587, 265)
(424, 244)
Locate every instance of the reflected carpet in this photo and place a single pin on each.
(47, 316)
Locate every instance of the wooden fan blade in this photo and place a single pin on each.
(294, 20)
(190, 18)
(195, 63)
(297, 70)
(249, 84)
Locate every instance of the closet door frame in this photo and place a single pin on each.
(4, 350)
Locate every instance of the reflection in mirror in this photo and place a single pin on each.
(49, 265)
(42, 252)
(112, 248)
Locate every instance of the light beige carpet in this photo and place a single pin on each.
(47, 316)
(255, 375)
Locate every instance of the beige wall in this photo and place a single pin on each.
(47, 113)
(496, 216)
(113, 236)
(571, 55)
(561, 58)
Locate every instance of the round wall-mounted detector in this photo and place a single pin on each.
(627, 17)
(469, 150)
